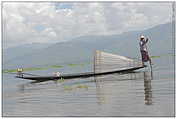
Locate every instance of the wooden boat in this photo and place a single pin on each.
(104, 63)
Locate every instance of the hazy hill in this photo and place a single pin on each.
(19, 51)
(82, 48)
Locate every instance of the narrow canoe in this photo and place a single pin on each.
(77, 75)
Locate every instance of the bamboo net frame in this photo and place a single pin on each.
(105, 62)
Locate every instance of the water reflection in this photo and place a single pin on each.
(100, 82)
(144, 75)
(100, 89)
(147, 88)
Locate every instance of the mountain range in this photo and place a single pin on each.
(81, 49)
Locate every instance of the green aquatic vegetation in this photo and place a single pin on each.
(68, 88)
(155, 56)
(24, 69)
(9, 70)
(81, 64)
(60, 81)
(82, 86)
(164, 55)
(32, 68)
(75, 87)
(72, 65)
(55, 66)
(40, 68)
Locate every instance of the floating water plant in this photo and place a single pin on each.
(32, 68)
(155, 56)
(82, 86)
(164, 55)
(68, 88)
(24, 69)
(55, 66)
(72, 65)
(9, 70)
(43, 68)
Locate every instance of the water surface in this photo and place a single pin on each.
(132, 94)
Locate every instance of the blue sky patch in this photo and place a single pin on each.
(63, 6)
(39, 27)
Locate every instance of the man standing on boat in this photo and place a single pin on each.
(143, 49)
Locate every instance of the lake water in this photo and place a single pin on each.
(133, 94)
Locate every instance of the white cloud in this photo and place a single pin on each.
(45, 22)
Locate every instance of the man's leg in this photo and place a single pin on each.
(142, 57)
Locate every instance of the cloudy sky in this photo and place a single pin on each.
(57, 22)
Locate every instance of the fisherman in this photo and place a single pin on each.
(143, 49)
